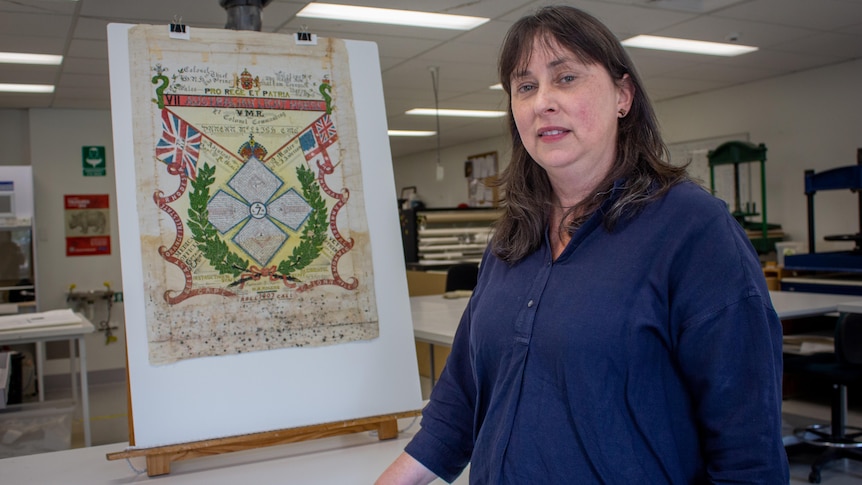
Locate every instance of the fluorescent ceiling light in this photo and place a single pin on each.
(411, 133)
(498, 87)
(390, 16)
(26, 88)
(690, 46)
(21, 58)
(467, 113)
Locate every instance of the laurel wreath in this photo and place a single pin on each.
(314, 232)
(223, 259)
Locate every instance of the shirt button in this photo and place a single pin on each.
(530, 304)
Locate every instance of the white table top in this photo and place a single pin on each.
(850, 307)
(793, 304)
(355, 458)
(47, 333)
(435, 318)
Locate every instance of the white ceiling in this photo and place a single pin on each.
(793, 35)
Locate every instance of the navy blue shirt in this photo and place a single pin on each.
(649, 354)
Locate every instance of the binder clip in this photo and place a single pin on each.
(304, 37)
(178, 30)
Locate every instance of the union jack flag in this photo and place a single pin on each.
(180, 143)
(316, 139)
(325, 130)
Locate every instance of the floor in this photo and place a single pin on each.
(109, 424)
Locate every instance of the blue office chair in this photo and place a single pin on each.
(842, 368)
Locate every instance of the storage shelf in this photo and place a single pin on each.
(445, 237)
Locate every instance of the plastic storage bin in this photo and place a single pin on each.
(31, 428)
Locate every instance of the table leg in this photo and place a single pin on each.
(433, 368)
(85, 390)
(73, 369)
(40, 371)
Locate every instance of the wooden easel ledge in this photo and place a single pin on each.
(159, 458)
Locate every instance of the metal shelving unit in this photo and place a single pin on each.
(436, 238)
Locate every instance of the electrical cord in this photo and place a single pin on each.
(137, 472)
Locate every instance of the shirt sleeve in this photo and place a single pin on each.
(730, 356)
(444, 443)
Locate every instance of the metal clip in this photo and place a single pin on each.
(177, 29)
(304, 37)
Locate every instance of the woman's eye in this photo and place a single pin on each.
(525, 88)
(567, 78)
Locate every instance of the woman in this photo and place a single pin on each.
(621, 330)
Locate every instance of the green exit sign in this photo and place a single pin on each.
(93, 161)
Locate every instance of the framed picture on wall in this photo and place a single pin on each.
(480, 171)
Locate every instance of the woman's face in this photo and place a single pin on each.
(566, 112)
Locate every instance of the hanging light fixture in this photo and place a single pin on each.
(435, 81)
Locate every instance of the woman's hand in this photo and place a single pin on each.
(405, 470)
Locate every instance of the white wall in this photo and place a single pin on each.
(808, 120)
(14, 137)
(420, 170)
(55, 149)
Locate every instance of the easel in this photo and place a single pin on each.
(159, 458)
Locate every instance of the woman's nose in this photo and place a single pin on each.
(546, 101)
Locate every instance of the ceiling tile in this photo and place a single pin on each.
(35, 24)
(33, 44)
(819, 14)
(38, 7)
(748, 33)
(793, 35)
(16, 73)
(83, 65)
(90, 81)
(92, 28)
(92, 49)
(30, 101)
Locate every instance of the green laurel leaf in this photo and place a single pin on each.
(314, 232)
(204, 234)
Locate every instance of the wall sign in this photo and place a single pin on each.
(88, 231)
(93, 161)
(480, 171)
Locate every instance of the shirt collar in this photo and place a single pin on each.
(591, 224)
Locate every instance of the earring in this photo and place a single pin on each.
(622, 113)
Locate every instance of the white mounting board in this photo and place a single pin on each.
(213, 397)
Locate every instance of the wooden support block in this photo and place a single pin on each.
(159, 458)
(158, 465)
(387, 430)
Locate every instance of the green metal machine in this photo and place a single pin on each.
(762, 234)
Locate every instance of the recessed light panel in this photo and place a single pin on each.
(23, 58)
(689, 46)
(411, 133)
(466, 113)
(26, 88)
(390, 16)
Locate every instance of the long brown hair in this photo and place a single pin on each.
(641, 155)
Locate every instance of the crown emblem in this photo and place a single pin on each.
(246, 81)
(252, 148)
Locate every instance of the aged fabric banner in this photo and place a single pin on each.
(250, 197)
